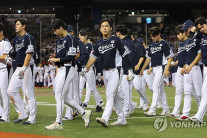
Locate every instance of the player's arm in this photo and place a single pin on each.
(175, 63)
(195, 61)
(91, 61)
(27, 59)
(139, 64)
(167, 67)
(146, 63)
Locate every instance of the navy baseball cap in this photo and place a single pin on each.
(70, 28)
(187, 24)
(140, 39)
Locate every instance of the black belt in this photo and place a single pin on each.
(205, 65)
(156, 65)
(181, 66)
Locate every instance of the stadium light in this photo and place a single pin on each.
(148, 20)
(132, 13)
(19, 11)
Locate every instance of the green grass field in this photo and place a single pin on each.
(138, 125)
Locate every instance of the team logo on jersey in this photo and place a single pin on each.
(60, 47)
(190, 46)
(155, 49)
(112, 41)
(103, 49)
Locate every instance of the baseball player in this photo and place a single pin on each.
(65, 53)
(201, 26)
(5, 47)
(113, 51)
(40, 71)
(89, 76)
(24, 45)
(46, 76)
(138, 81)
(121, 32)
(157, 49)
(191, 71)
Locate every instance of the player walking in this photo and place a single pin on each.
(65, 53)
(157, 49)
(110, 47)
(24, 45)
(5, 47)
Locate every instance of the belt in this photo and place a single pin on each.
(181, 66)
(156, 65)
(205, 65)
(119, 67)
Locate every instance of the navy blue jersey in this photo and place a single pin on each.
(108, 49)
(66, 50)
(139, 52)
(128, 42)
(192, 48)
(203, 46)
(182, 54)
(157, 51)
(23, 45)
(83, 53)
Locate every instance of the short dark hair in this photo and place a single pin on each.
(122, 29)
(154, 31)
(58, 23)
(200, 20)
(106, 20)
(22, 21)
(135, 35)
(2, 28)
(83, 33)
(178, 29)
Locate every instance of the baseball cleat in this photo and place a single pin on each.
(65, 118)
(2, 121)
(196, 120)
(87, 117)
(164, 113)
(172, 115)
(84, 105)
(102, 122)
(26, 123)
(18, 120)
(98, 108)
(150, 113)
(181, 118)
(116, 123)
(54, 126)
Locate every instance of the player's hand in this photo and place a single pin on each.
(149, 71)
(182, 72)
(8, 60)
(54, 60)
(20, 74)
(166, 73)
(83, 71)
(188, 69)
(130, 75)
(136, 68)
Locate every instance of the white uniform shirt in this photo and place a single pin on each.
(40, 70)
(5, 47)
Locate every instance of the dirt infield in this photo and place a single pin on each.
(19, 135)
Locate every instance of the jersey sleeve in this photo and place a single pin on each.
(71, 51)
(30, 44)
(7, 48)
(148, 54)
(95, 53)
(123, 49)
(142, 51)
(167, 50)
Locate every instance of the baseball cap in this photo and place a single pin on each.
(140, 39)
(187, 24)
(70, 28)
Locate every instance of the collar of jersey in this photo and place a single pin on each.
(159, 41)
(23, 36)
(107, 38)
